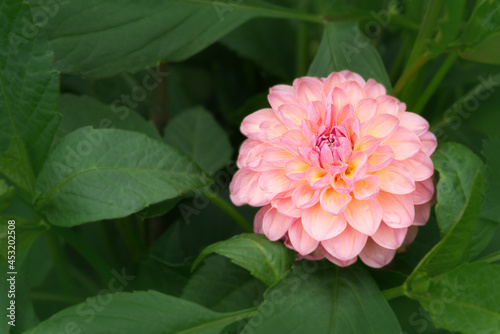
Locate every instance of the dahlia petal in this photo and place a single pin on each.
(396, 179)
(410, 235)
(301, 241)
(304, 196)
(277, 99)
(424, 190)
(337, 261)
(366, 109)
(295, 169)
(274, 181)
(420, 166)
(366, 144)
(388, 237)
(344, 113)
(321, 225)
(413, 122)
(388, 105)
(353, 77)
(275, 225)
(357, 167)
(276, 156)
(309, 90)
(353, 91)
(346, 245)
(286, 207)
(366, 188)
(316, 255)
(318, 177)
(334, 202)
(375, 255)
(292, 115)
(334, 80)
(373, 89)
(250, 126)
(337, 97)
(259, 217)
(255, 195)
(271, 131)
(239, 186)
(251, 154)
(422, 214)
(364, 216)
(382, 126)
(404, 143)
(429, 143)
(398, 210)
(381, 158)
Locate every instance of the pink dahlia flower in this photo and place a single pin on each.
(340, 169)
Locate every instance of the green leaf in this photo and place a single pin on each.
(7, 194)
(140, 312)
(457, 166)
(322, 298)
(453, 249)
(196, 133)
(449, 25)
(29, 87)
(344, 47)
(466, 299)
(15, 165)
(267, 261)
(481, 39)
(223, 287)
(80, 111)
(94, 174)
(152, 30)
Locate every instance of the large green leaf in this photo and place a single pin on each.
(466, 299)
(28, 86)
(481, 38)
(196, 133)
(453, 249)
(16, 166)
(80, 111)
(267, 261)
(152, 30)
(140, 312)
(94, 174)
(223, 287)
(7, 194)
(457, 166)
(322, 298)
(344, 47)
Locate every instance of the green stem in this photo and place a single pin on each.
(398, 62)
(433, 85)
(229, 209)
(490, 257)
(87, 252)
(394, 292)
(426, 30)
(408, 74)
(60, 263)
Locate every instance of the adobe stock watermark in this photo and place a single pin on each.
(200, 201)
(420, 319)
(42, 13)
(88, 310)
(222, 8)
(463, 109)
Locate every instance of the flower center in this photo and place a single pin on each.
(337, 143)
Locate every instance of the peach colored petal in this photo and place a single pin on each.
(322, 225)
(388, 237)
(404, 143)
(420, 166)
(398, 210)
(250, 126)
(396, 179)
(304, 196)
(375, 255)
(366, 188)
(346, 245)
(382, 126)
(364, 216)
(424, 190)
(275, 225)
(422, 214)
(333, 202)
(429, 143)
(301, 241)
